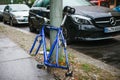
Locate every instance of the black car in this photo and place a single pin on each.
(89, 22)
(1, 11)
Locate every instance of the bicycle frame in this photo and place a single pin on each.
(59, 38)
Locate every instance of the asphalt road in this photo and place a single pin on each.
(107, 51)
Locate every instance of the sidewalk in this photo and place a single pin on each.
(16, 64)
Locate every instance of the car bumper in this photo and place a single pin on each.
(20, 21)
(90, 34)
(95, 35)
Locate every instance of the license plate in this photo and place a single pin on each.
(111, 29)
(26, 19)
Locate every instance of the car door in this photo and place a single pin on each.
(34, 12)
(6, 14)
(44, 12)
(46, 9)
(39, 9)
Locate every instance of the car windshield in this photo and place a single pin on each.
(20, 7)
(42, 3)
(2, 7)
(76, 3)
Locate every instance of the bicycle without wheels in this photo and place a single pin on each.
(59, 41)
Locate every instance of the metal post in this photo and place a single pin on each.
(55, 19)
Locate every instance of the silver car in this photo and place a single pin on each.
(16, 14)
(1, 11)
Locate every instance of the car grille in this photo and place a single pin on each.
(22, 20)
(105, 22)
(25, 16)
(97, 34)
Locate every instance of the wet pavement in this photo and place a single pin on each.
(16, 64)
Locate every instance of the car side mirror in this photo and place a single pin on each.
(48, 7)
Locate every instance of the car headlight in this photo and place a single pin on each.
(17, 17)
(81, 20)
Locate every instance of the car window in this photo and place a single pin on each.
(38, 3)
(46, 3)
(41, 3)
(2, 7)
(76, 3)
(6, 8)
(19, 7)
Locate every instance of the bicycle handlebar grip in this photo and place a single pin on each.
(46, 20)
(38, 16)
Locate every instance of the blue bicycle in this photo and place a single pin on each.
(59, 41)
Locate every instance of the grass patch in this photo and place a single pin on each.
(86, 67)
(48, 48)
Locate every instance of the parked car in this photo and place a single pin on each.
(89, 22)
(1, 11)
(117, 8)
(16, 14)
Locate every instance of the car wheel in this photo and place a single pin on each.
(32, 29)
(66, 33)
(11, 22)
(4, 21)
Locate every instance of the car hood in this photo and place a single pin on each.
(1, 10)
(95, 11)
(21, 13)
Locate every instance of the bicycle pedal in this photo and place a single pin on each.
(69, 74)
(40, 66)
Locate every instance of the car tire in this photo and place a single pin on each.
(11, 22)
(4, 21)
(66, 33)
(32, 29)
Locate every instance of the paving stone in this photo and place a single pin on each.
(23, 69)
(5, 42)
(16, 64)
(12, 53)
(2, 35)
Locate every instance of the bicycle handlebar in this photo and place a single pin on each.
(64, 18)
(45, 19)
